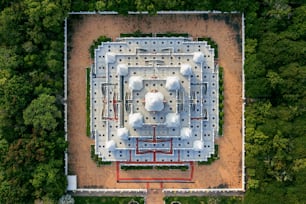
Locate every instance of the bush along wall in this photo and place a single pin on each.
(221, 100)
(95, 157)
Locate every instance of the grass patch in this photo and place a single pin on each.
(169, 34)
(221, 100)
(107, 200)
(212, 44)
(95, 157)
(96, 43)
(213, 157)
(88, 102)
(205, 200)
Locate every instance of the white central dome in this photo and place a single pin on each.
(154, 101)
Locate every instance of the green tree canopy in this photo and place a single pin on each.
(42, 113)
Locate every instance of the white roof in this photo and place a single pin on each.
(172, 83)
(72, 183)
(110, 57)
(136, 120)
(198, 145)
(198, 57)
(186, 69)
(172, 120)
(154, 101)
(136, 83)
(186, 133)
(122, 69)
(110, 145)
(123, 133)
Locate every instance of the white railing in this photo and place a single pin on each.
(102, 190)
(216, 190)
(65, 95)
(93, 12)
(243, 106)
(146, 12)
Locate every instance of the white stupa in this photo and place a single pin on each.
(122, 69)
(172, 83)
(186, 69)
(172, 120)
(110, 57)
(198, 145)
(154, 101)
(136, 120)
(136, 83)
(123, 133)
(198, 57)
(186, 133)
(110, 145)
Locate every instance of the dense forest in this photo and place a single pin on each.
(32, 141)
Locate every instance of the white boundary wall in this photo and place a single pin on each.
(146, 12)
(225, 190)
(243, 106)
(109, 190)
(204, 190)
(65, 95)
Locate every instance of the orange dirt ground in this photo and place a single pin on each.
(225, 171)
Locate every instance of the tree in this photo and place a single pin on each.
(42, 113)
(48, 180)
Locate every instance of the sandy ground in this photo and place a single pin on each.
(227, 170)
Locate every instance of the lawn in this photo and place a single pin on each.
(107, 200)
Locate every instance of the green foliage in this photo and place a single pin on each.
(169, 34)
(47, 180)
(182, 168)
(212, 44)
(31, 75)
(96, 158)
(212, 158)
(136, 167)
(137, 33)
(42, 113)
(204, 200)
(96, 43)
(221, 101)
(106, 200)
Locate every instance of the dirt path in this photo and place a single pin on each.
(155, 196)
(227, 170)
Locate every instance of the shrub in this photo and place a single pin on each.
(212, 44)
(137, 33)
(95, 157)
(96, 43)
(213, 157)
